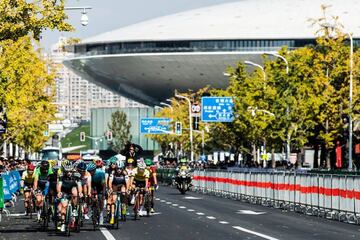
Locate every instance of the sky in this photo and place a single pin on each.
(107, 15)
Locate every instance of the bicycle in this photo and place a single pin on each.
(138, 192)
(30, 202)
(147, 202)
(95, 211)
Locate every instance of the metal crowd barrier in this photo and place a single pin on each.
(323, 195)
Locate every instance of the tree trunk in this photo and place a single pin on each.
(316, 156)
(254, 153)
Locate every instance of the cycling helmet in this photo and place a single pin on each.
(130, 161)
(81, 166)
(53, 163)
(31, 167)
(56, 168)
(44, 165)
(91, 167)
(141, 165)
(120, 164)
(112, 160)
(98, 162)
(67, 166)
(149, 162)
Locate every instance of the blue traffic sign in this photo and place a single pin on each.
(155, 126)
(217, 109)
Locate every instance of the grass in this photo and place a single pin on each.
(73, 138)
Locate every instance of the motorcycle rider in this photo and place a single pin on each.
(182, 167)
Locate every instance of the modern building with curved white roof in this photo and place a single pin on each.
(189, 50)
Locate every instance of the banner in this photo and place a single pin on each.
(11, 184)
(1, 193)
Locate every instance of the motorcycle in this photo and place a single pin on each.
(183, 181)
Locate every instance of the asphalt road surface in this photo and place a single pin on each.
(194, 216)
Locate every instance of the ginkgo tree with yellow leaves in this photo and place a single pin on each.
(26, 83)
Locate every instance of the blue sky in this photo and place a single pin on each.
(107, 15)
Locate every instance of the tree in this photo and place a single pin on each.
(120, 129)
(19, 18)
(27, 91)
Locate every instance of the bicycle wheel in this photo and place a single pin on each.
(68, 219)
(79, 217)
(123, 211)
(147, 203)
(95, 215)
(44, 215)
(117, 211)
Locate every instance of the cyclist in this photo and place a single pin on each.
(41, 184)
(118, 181)
(152, 181)
(110, 169)
(85, 178)
(132, 151)
(27, 181)
(98, 186)
(69, 184)
(140, 176)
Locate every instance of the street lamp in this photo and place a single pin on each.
(84, 18)
(168, 105)
(173, 100)
(190, 125)
(258, 66)
(329, 25)
(158, 107)
(287, 107)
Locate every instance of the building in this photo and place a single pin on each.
(100, 118)
(75, 96)
(189, 50)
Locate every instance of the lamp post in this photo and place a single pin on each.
(190, 125)
(287, 107)
(84, 18)
(258, 66)
(173, 100)
(168, 105)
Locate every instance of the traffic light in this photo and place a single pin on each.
(178, 128)
(82, 136)
(109, 135)
(195, 123)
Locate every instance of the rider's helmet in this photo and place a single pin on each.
(91, 167)
(99, 163)
(141, 166)
(112, 161)
(81, 167)
(183, 161)
(44, 166)
(130, 161)
(67, 166)
(30, 168)
(53, 163)
(120, 164)
(148, 162)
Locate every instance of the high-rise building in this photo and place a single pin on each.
(76, 96)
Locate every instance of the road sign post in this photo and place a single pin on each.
(217, 109)
(178, 128)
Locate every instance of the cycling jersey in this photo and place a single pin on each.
(69, 182)
(119, 178)
(98, 180)
(152, 170)
(28, 179)
(85, 178)
(140, 176)
(43, 180)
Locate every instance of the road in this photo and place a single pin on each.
(196, 216)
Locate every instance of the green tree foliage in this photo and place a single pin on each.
(19, 18)
(120, 128)
(26, 91)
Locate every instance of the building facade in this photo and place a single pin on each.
(75, 96)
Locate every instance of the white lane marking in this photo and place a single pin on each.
(223, 222)
(158, 199)
(254, 233)
(156, 213)
(182, 207)
(107, 234)
(16, 214)
(191, 210)
(200, 213)
(192, 198)
(162, 200)
(175, 205)
(249, 212)
(211, 217)
(168, 202)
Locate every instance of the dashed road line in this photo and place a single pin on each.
(254, 233)
(182, 207)
(200, 213)
(175, 205)
(168, 202)
(162, 200)
(107, 234)
(223, 222)
(211, 217)
(157, 199)
(191, 210)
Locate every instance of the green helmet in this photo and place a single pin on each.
(183, 160)
(112, 160)
(148, 162)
